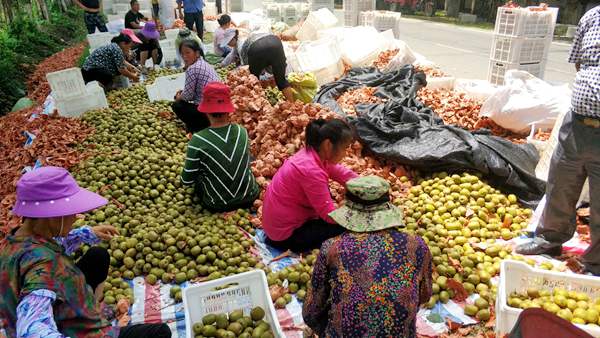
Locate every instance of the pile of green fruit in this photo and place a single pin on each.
(153, 74)
(164, 234)
(274, 95)
(480, 309)
(460, 217)
(576, 307)
(234, 324)
(296, 276)
(224, 71)
(115, 289)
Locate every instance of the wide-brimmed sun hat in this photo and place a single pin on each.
(149, 31)
(216, 98)
(52, 192)
(367, 207)
(131, 34)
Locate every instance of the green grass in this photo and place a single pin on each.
(84, 55)
(440, 17)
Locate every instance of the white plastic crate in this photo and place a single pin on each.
(243, 291)
(318, 4)
(497, 70)
(353, 8)
(165, 87)
(99, 39)
(519, 50)
(66, 83)
(518, 276)
(274, 12)
(210, 9)
(316, 21)
(524, 22)
(329, 73)
(121, 8)
(169, 58)
(235, 5)
(250, 5)
(359, 55)
(171, 34)
(289, 10)
(93, 98)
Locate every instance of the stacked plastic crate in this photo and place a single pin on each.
(381, 21)
(318, 4)
(522, 37)
(353, 8)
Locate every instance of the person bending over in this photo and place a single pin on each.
(106, 62)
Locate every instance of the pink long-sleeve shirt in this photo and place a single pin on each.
(300, 192)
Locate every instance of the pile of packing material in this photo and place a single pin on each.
(316, 21)
(321, 57)
(359, 46)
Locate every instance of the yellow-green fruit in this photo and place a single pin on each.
(578, 320)
(222, 321)
(209, 319)
(591, 315)
(579, 313)
(235, 328)
(565, 314)
(551, 307)
(234, 316)
(198, 328)
(444, 297)
(471, 310)
(209, 331)
(257, 313)
(483, 315)
(482, 303)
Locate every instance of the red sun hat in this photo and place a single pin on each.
(216, 99)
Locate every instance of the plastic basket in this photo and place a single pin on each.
(100, 39)
(244, 291)
(171, 34)
(358, 55)
(518, 277)
(66, 83)
(210, 9)
(316, 21)
(165, 87)
(524, 22)
(121, 8)
(274, 12)
(519, 50)
(497, 70)
(318, 4)
(330, 73)
(92, 98)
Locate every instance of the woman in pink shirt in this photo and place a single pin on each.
(298, 201)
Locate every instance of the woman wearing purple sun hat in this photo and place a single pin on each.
(149, 46)
(44, 292)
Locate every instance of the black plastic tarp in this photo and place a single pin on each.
(405, 131)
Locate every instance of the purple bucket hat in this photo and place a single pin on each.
(149, 31)
(53, 192)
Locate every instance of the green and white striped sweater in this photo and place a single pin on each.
(218, 164)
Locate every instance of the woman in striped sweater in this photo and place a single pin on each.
(218, 157)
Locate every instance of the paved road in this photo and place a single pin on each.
(464, 52)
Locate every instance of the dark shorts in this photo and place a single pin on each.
(95, 74)
(267, 52)
(93, 21)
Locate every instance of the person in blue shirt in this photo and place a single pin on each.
(192, 14)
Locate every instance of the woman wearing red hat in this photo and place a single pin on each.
(218, 157)
(44, 292)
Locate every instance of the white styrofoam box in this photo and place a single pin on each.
(441, 82)
(330, 73)
(210, 9)
(520, 50)
(243, 291)
(339, 14)
(235, 5)
(525, 22)
(66, 83)
(518, 277)
(169, 57)
(121, 8)
(211, 26)
(93, 98)
(316, 21)
(167, 44)
(362, 54)
(171, 34)
(318, 4)
(165, 87)
(99, 39)
(497, 70)
(467, 18)
(250, 5)
(317, 54)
